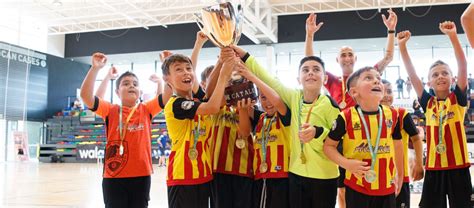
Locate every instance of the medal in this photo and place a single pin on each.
(263, 167)
(240, 143)
(441, 148)
(121, 149)
(370, 176)
(342, 105)
(192, 154)
(303, 158)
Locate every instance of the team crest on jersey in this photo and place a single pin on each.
(186, 105)
(357, 126)
(278, 167)
(272, 138)
(389, 123)
(114, 162)
(434, 117)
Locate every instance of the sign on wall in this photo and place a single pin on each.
(22, 55)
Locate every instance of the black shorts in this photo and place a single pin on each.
(184, 196)
(454, 183)
(230, 191)
(276, 193)
(126, 192)
(355, 199)
(311, 192)
(342, 176)
(403, 199)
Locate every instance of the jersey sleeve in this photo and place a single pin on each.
(256, 116)
(286, 119)
(338, 129)
(153, 106)
(409, 126)
(396, 134)
(185, 109)
(425, 97)
(101, 107)
(461, 96)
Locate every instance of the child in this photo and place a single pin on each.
(189, 170)
(231, 153)
(370, 136)
(271, 143)
(128, 163)
(408, 129)
(447, 161)
(312, 176)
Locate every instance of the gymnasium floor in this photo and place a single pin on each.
(48, 185)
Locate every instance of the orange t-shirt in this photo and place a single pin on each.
(136, 160)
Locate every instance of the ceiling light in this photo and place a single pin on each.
(57, 3)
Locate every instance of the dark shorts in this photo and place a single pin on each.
(126, 192)
(275, 194)
(454, 183)
(231, 191)
(403, 199)
(311, 192)
(342, 176)
(184, 196)
(355, 199)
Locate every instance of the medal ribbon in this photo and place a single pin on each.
(265, 135)
(373, 150)
(307, 117)
(196, 131)
(343, 83)
(440, 126)
(123, 126)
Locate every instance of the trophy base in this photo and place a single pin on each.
(239, 91)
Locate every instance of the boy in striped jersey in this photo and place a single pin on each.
(271, 143)
(189, 170)
(372, 147)
(447, 161)
(408, 130)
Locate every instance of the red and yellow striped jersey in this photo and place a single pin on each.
(277, 147)
(453, 132)
(181, 121)
(226, 157)
(355, 146)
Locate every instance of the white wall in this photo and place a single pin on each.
(56, 44)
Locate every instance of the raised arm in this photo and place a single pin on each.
(111, 75)
(391, 24)
(449, 28)
(403, 37)
(311, 29)
(467, 21)
(245, 127)
(269, 93)
(201, 39)
(215, 100)
(87, 89)
(212, 79)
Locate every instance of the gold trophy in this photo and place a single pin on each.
(222, 23)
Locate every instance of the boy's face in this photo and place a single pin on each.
(129, 89)
(312, 75)
(346, 59)
(368, 87)
(387, 95)
(440, 78)
(266, 104)
(181, 76)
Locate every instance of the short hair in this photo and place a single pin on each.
(438, 63)
(355, 76)
(384, 81)
(312, 58)
(165, 67)
(126, 74)
(207, 72)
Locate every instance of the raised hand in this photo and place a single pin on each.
(99, 60)
(244, 104)
(201, 37)
(242, 70)
(307, 132)
(403, 37)
(448, 28)
(165, 54)
(391, 21)
(226, 53)
(239, 51)
(155, 78)
(311, 26)
(113, 73)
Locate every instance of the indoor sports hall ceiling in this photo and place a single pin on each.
(76, 16)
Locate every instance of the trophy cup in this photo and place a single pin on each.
(222, 23)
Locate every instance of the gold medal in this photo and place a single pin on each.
(441, 148)
(342, 105)
(370, 176)
(192, 154)
(240, 143)
(303, 158)
(263, 167)
(121, 150)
